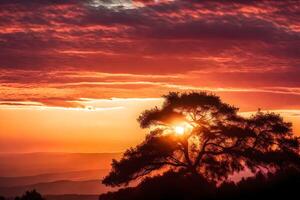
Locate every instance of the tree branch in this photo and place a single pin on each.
(176, 160)
(185, 150)
(169, 163)
(201, 153)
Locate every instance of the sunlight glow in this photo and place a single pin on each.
(179, 130)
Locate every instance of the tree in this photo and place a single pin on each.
(196, 133)
(30, 195)
(283, 184)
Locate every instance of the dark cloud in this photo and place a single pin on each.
(153, 37)
(236, 28)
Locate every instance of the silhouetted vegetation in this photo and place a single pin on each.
(199, 141)
(216, 141)
(177, 186)
(2, 198)
(30, 195)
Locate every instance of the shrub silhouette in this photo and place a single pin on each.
(30, 195)
(171, 185)
(197, 135)
(177, 186)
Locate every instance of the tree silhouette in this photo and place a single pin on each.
(196, 133)
(283, 184)
(30, 195)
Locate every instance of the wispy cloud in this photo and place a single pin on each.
(56, 53)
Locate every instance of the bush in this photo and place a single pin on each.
(177, 186)
(30, 195)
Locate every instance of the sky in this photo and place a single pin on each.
(75, 74)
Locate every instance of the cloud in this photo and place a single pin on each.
(56, 52)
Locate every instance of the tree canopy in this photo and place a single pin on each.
(197, 133)
(282, 184)
(30, 195)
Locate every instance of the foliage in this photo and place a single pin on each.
(174, 185)
(30, 195)
(216, 143)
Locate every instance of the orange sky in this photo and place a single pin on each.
(75, 74)
(103, 126)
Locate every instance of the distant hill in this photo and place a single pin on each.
(67, 197)
(72, 176)
(54, 173)
(30, 164)
(58, 188)
(72, 197)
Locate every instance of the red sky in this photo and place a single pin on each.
(61, 62)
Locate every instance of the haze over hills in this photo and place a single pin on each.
(30, 164)
(72, 176)
(54, 173)
(72, 197)
(59, 188)
(67, 197)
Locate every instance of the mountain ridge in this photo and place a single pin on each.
(60, 187)
(8, 181)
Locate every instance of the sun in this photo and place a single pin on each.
(179, 130)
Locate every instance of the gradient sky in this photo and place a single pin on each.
(75, 74)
